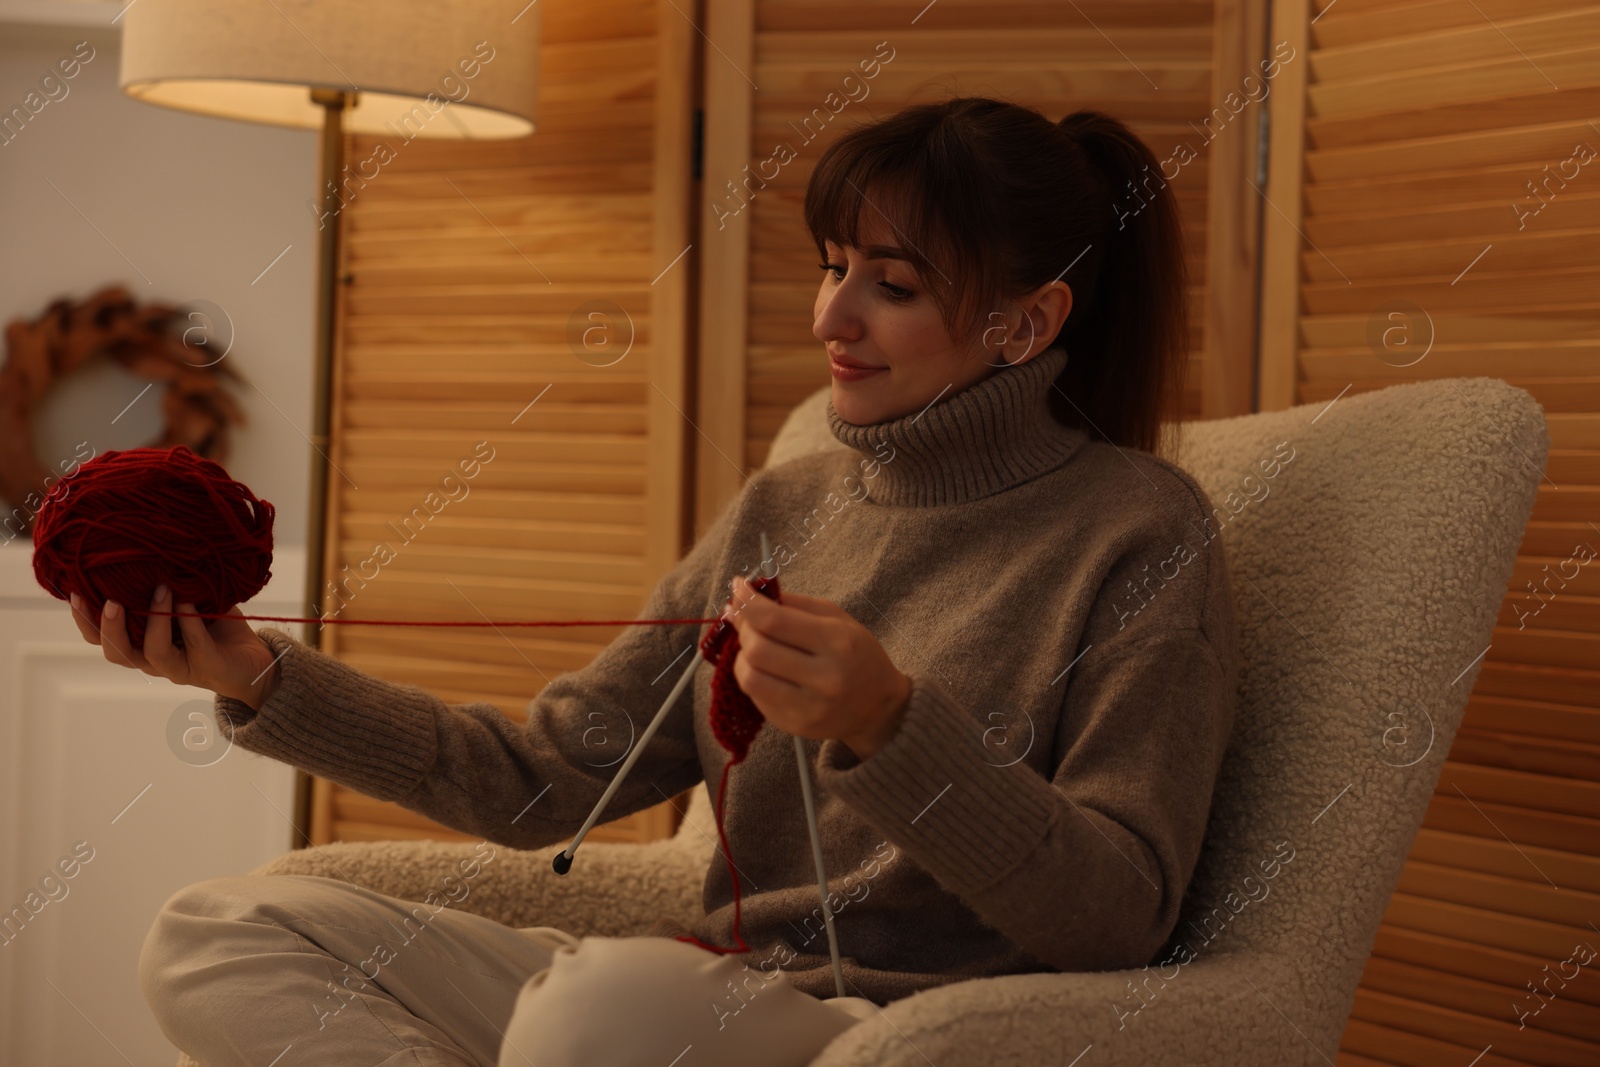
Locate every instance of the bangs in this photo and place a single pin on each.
(898, 186)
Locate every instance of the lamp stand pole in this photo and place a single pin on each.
(330, 168)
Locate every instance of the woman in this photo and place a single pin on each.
(1006, 632)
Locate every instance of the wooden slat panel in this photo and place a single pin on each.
(1532, 719)
(1428, 159)
(1350, 1059)
(472, 598)
(1469, 1031)
(1484, 926)
(1568, 759)
(500, 504)
(1481, 784)
(455, 560)
(542, 477)
(1568, 1016)
(1405, 18)
(1162, 78)
(1422, 85)
(462, 321)
(556, 417)
(837, 15)
(1450, 957)
(1404, 1047)
(1513, 896)
(1547, 29)
(530, 534)
(552, 651)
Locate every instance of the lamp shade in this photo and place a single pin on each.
(460, 68)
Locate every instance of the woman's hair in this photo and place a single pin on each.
(991, 200)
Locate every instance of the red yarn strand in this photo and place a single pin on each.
(735, 721)
(129, 520)
(733, 872)
(424, 622)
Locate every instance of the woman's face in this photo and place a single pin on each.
(873, 311)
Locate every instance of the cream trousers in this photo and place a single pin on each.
(292, 970)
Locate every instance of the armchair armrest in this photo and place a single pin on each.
(614, 889)
(1241, 1010)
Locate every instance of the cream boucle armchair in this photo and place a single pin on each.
(1368, 570)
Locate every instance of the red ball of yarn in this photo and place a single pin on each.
(126, 522)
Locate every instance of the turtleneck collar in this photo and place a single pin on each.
(985, 439)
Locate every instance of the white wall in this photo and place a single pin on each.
(177, 208)
(134, 768)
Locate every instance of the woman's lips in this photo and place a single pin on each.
(849, 371)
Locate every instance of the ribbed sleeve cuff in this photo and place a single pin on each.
(331, 720)
(935, 790)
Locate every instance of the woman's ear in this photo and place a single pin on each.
(1048, 309)
(1042, 313)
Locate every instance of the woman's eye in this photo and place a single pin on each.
(895, 292)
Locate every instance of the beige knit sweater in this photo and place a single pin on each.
(1064, 613)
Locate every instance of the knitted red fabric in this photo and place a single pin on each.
(735, 721)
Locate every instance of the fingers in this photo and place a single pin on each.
(229, 626)
(740, 593)
(789, 623)
(158, 647)
(743, 591)
(815, 606)
(197, 640)
(771, 656)
(765, 689)
(114, 640)
(80, 616)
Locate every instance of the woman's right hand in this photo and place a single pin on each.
(224, 655)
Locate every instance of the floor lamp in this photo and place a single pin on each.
(395, 69)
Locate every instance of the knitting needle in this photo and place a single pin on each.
(563, 859)
(816, 855)
(770, 571)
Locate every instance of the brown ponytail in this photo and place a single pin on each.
(993, 200)
(1137, 291)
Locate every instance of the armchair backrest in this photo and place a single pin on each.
(1368, 571)
(1370, 541)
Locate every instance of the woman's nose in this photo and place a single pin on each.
(835, 317)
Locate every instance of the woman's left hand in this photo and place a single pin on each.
(814, 671)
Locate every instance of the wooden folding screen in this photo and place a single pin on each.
(467, 264)
(1425, 188)
(787, 77)
(507, 431)
(1437, 214)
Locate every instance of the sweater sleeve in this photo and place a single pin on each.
(469, 766)
(1085, 869)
